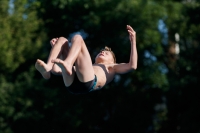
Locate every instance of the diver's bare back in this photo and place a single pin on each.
(104, 73)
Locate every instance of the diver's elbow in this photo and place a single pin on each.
(133, 67)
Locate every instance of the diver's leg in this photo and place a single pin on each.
(45, 68)
(79, 55)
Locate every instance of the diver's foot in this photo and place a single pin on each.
(66, 67)
(43, 68)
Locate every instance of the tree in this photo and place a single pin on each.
(21, 39)
(150, 99)
(183, 73)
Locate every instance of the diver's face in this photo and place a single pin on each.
(104, 57)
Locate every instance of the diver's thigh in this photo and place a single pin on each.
(83, 63)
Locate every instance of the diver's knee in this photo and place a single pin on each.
(77, 38)
(62, 39)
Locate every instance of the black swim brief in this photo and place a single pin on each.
(78, 87)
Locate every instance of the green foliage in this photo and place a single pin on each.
(21, 39)
(160, 96)
(19, 33)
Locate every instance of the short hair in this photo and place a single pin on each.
(109, 49)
